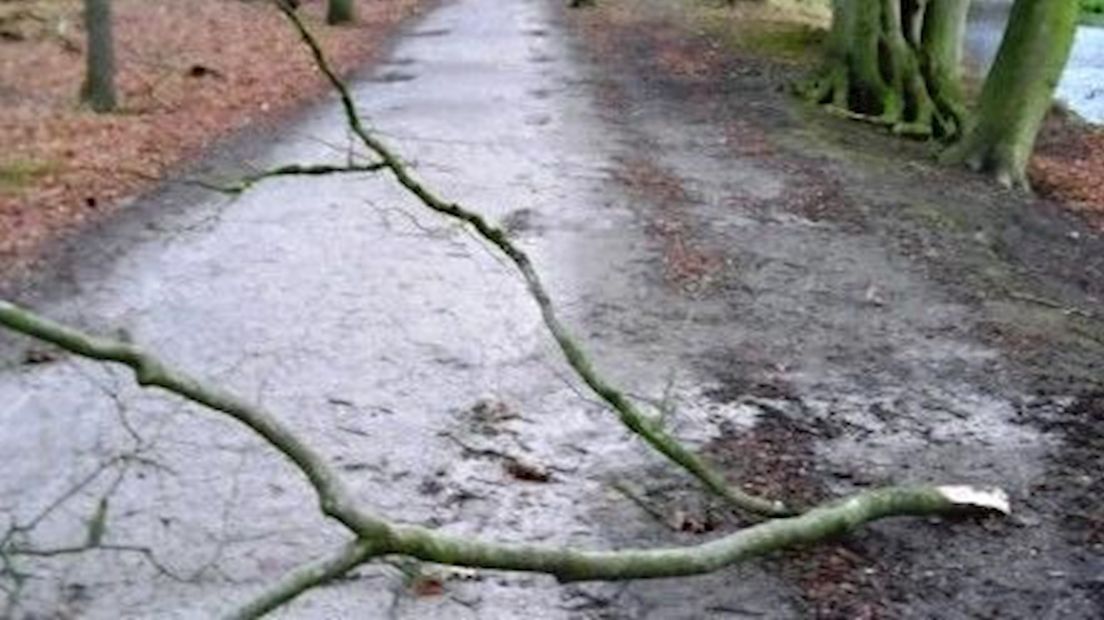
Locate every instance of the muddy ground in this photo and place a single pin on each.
(823, 308)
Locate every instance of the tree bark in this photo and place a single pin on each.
(943, 33)
(99, 82)
(895, 63)
(340, 12)
(1019, 90)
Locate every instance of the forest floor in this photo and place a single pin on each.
(1026, 271)
(188, 73)
(1068, 167)
(818, 306)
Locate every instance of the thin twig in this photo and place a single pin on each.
(54, 552)
(625, 489)
(334, 498)
(305, 578)
(82, 484)
(1050, 303)
(243, 184)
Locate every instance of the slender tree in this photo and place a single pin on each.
(99, 82)
(1019, 90)
(340, 11)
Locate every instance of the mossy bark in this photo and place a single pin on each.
(340, 12)
(895, 63)
(941, 37)
(1019, 90)
(99, 80)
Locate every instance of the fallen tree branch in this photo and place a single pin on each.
(334, 498)
(644, 426)
(817, 524)
(83, 548)
(569, 565)
(377, 536)
(305, 578)
(1050, 303)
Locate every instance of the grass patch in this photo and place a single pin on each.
(1092, 12)
(17, 174)
(786, 30)
(787, 41)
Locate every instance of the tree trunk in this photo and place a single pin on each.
(1019, 90)
(340, 12)
(895, 63)
(99, 81)
(943, 34)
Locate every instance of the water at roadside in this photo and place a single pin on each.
(1082, 85)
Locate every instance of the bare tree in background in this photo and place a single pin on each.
(99, 80)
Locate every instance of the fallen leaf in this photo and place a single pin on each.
(427, 585)
(526, 471)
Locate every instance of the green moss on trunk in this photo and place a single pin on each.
(99, 81)
(941, 40)
(1019, 90)
(895, 63)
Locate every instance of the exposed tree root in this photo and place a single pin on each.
(996, 160)
(883, 68)
(908, 108)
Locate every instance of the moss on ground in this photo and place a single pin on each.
(786, 30)
(18, 174)
(1092, 12)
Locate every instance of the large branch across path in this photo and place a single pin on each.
(375, 536)
(648, 428)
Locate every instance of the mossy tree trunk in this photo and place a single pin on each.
(1019, 90)
(942, 36)
(99, 81)
(340, 12)
(896, 63)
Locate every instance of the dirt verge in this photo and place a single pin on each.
(189, 72)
